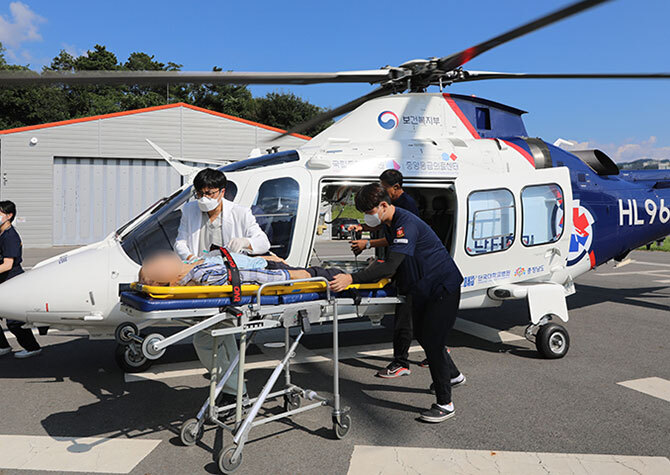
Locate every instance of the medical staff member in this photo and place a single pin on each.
(391, 180)
(213, 220)
(424, 270)
(10, 266)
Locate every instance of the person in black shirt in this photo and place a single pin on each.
(391, 181)
(423, 270)
(10, 266)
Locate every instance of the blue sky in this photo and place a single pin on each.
(627, 119)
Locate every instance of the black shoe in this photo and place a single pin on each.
(393, 370)
(436, 414)
(424, 363)
(455, 382)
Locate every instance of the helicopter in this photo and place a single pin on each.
(522, 217)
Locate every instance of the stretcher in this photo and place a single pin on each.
(297, 303)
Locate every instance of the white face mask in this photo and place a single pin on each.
(207, 204)
(372, 220)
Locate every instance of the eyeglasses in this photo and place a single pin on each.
(208, 194)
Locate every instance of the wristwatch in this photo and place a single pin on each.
(367, 244)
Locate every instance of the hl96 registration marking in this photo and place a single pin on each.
(654, 211)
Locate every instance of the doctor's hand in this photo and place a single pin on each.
(355, 227)
(239, 244)
(341, 282)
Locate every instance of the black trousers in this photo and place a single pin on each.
(402, 332)
(24, 336)
(433, 319)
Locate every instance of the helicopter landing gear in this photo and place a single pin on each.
(551, 340)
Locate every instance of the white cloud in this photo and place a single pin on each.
(20, 26)
(626, 151)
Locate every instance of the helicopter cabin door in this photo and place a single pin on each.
(279, 200)
(512, 230)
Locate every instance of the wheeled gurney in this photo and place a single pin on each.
(297, 303)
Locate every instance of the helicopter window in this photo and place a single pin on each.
(275, 209)
(491, 221)
(542, 207)
(483, 118)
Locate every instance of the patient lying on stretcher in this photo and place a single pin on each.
(167, 269)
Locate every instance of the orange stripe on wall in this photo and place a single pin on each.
(147, 109)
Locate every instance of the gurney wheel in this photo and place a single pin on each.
(341, 427)
(191, 431)
(292, 401)
(129, 361)
(147, 346)
(226, 465)
(124, 330)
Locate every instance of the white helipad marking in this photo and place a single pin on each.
(486, 333)
(73, 454)
(405, 460)
(657, 387)
(652, 264)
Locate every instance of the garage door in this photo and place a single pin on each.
(95, 196)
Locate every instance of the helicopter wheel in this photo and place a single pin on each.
(552, 341)
(130, 360)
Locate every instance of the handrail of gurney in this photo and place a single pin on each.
(259, 292)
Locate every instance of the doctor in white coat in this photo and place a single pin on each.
(213, 220)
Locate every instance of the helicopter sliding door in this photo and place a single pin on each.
(514, 231)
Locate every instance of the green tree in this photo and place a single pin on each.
(285, 110)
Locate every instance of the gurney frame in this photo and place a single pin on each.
(247, 320)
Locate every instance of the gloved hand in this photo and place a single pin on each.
(239, 244)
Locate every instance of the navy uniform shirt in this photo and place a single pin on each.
(427, 268)
(10, 247)
(405, 201)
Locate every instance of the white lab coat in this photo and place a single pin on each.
(238, 222)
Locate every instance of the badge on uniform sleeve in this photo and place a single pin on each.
(400, 232)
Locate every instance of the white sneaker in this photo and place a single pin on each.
(27, 354)
(5, 351)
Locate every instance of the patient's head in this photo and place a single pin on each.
(164, 268)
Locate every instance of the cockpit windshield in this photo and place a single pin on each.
(158, 232)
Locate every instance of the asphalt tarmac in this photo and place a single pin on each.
(72, 401)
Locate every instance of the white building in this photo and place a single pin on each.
(76, 181)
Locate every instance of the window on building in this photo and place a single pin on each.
(491, 221)
(275, 209)
(543, 213)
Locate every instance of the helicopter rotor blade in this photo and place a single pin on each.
(343, 109)
(22, 78)
(448, 63)
(466, 76)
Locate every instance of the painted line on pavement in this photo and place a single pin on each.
(396, 460)
(73, 454)
(651, 263)
(656, 387)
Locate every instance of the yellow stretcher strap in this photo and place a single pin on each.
(214, 291)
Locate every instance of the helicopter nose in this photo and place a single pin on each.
(15, 297)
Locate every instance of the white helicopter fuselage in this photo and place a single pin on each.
(424, 136)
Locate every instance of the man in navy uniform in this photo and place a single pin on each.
(425, 271)
(391, 180)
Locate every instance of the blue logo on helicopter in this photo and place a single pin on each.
(387, 120)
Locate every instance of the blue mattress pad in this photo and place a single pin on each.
(144, 303)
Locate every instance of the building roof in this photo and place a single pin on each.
(148, 109)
